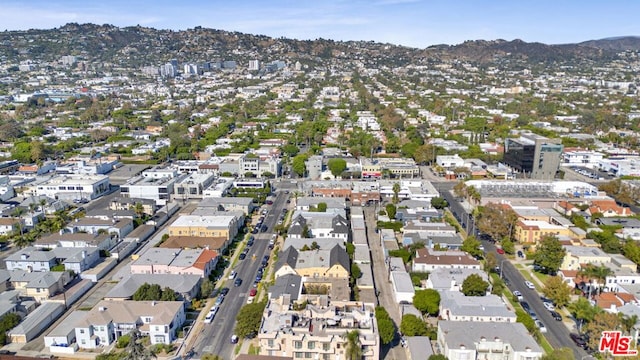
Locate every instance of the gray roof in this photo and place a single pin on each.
(297, 225)
(220, 202)
(34, 320)
(36, 279)
(460, 305)
(441, 278)
(324, 243)
(419, 347)
(70, 255)
(332, 203)
(322, 258)
(101, 213)
(182, 284)
(620, 221)
(469, 333)
(33, 255)
(5, 275)
(288, 284)
(67, 325)
(402, 281)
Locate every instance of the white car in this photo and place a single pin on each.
(549, 306)
(209, 318)
(518, 295)
(529, 284)
(233, 275)
(541, 326)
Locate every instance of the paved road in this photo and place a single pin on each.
(215, 337)
(381, 280)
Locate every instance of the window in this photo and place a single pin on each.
(311, 345)
(298, 355)
(81, 331)
(270, 342)
(297, 344)
(308, 355)
(326, 346)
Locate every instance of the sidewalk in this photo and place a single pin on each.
(567, 319)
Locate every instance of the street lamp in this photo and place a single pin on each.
(502, 261)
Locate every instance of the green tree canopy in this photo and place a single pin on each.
(248, 319)
(336, 166)
(563, 353)
(427, 301)
(557, 290)
(439, 202)
(391, 211)
(496, 220)
(471, 246)
(549, 254)
(386, 327)
(298, 164)
(148, 292)
(473, 285)
(412, 325)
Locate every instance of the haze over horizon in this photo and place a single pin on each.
(415, 23)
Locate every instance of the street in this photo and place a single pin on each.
(215, 338)
(381, 282)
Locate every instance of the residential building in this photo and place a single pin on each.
(469, 340)
(534, 156)
(31, 259)
(321, 263)
(244, 204)
(225, 226)
(39, 285)
(455, 306)
(428, 260)
(70, 187)
(583, 158)
(318, 330)
(109, 320)
(175, 261)
(10, 225)
(321, 225)
(187, 286)
(451, 279)
(193, 185)
(150, 186)
(576, 256)
(532, 231)
(76, 240)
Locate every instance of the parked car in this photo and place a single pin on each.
(232, 275)
(529, 284)
(518, 295)
(556, 316)
(224, 291)
(238, 282)
(269, 202)
(549, 306)
(219, 300)
(253, 292)
(579, 340)
(533, 315)
(234, 339)
(209, 318)
(525, 306)
(541, 326)
(500, 251)
(242, 256)
(520, 254)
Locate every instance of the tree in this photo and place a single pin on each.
(412, 325)
(135, 350)
(356, 273)
(322, 207)
(7, 322)
(557, 290)
(427, 301)
(563, 353)
(496, 220)
(298, 164)
(490, 262)
(473, 285)
(291, 150)
(391, 211)
(460, 190)
(631, 251)
(396, 190)
(497, 286)
(248, 319)
(583, 311)
(549, 254)
(206, 288)
(471, 246)
(598, 273)
(353, 347)
(336, 166)
(525, 319)
(601, 321)
(628, 323)
(386, 327)
(437, 357)
(508, 246)
(148, 292)
(439, 202)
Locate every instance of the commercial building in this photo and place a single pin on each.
(71, 187)
(533, 156)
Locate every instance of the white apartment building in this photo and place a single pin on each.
(70, 187)
(590, 159)
(149, 186)
(193, 185)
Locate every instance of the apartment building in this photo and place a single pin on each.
(225, 226)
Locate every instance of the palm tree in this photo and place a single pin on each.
(43, 202)
(135, 349)
(396, 190)
(353, 347)
(599, 273)
(628, 322)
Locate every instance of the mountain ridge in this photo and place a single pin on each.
(142, 46)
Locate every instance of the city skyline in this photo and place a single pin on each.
(414, 23)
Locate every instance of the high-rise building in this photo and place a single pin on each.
(254, 65)
(533, 156)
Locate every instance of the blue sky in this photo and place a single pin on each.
(417, 23)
